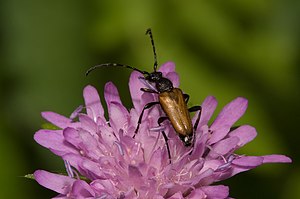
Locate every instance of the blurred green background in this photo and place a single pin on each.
(227, 49)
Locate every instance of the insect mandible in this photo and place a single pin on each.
(172, 100)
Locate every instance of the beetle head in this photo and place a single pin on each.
(162, 84)
(154, 77)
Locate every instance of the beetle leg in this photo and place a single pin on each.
(193, 109)
(147, 106)
(159, 121)
(186, 98)
(148, 90)
(196, 108)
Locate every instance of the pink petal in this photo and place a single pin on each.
(208, 107)
(72, 136)
(157, 160)
(85, 167)
(75, 113)
(177, 195)
(56, 119)
(276, 159)
(118, 115)
(173, 76)
(212, 165)
(200, 146)
(83, 141)
(218, 134)
(134, 86)
(88, 124)
(81, 189)
(230, 113)
(111, 93)
(224, 147)
(207, 177)
(146, 98)
(197, 194)
(248, 161)
(216, 192)
(104, 186)
(168, 70)
(107, 137)
(76, 161)
(167, 67)
(244, 163)
(245, 133)
(60, 196)
(58, 183)
(93, 170)
(53, 140)
(136, 177)
(92, 102)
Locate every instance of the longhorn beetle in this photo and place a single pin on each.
(172, 100)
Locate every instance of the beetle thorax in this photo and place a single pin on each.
(164, 85)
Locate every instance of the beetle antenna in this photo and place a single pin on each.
(149, 32)
(114, 64)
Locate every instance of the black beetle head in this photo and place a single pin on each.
(162, 84)
(154, 77)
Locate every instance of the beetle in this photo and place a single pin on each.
(171, 99)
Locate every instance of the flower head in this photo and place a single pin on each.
(104, 159)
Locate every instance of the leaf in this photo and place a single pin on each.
(49, 126)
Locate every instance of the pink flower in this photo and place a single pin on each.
(113, 164)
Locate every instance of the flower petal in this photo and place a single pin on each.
(54, 140)
(167, 67)
(168, 70)
(208, 107)
(216, 192)
(58, 183)
(230, 113)
(245, 133)
(105, 187)
(177, 195)
(276, 159)
(134, 86)
(88, 124)
(83, 141)
(75, 113)
(135, 175)
(248, 161)
(243, 164)
(197, 194)
(218, 134)
(107, 136)
(118, 116)
(56, 119)
(81, 189)
(173, 76)
(224, 147)
(111, 93)
(92, 102)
